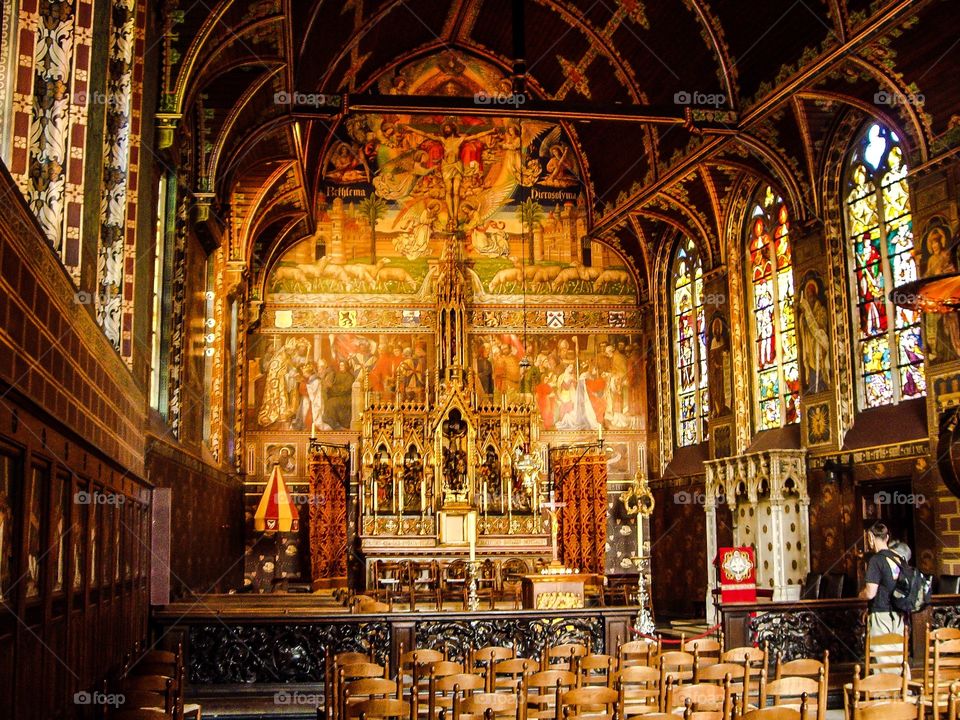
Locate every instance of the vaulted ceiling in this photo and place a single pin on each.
(777, 72)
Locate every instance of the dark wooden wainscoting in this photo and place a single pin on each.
(73, 573)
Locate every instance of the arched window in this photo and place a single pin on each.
(689, 344)
(889, 349)
(770, 263)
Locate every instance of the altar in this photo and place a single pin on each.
(554, 591)
(446, 472)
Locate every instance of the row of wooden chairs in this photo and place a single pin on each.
(644, 677)
(151, 687)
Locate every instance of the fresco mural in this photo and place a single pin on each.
(578, 381)
(315, 381)
(936, 258)
(393, 187)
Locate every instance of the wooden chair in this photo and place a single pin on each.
(639, 688)
(596, 703)
(596, 670)
(155, 691)
(563, 657)
(488, 582)
(453, 582)
(453, 688)
(489, 705)
(358, 691)
(512, 571)
(352, 672)
(792, 691)
(425, 583)
(485, 658)
(638, 652)
(381, 708)
(543, 689)
(945, 672)
(389, 580)
(141, 715)
(755, 659)
(331, 680)
(707, 649)
(886, 653)
(698, 697)
(676, 665)
(509, 673)
(803, 667)
(871, 688)
(895, 710)
(593, 586)
(723, 672)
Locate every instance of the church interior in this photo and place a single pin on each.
(500, 358)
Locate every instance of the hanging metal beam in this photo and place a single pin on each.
(708, 119)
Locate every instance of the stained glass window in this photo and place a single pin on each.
(889, 349)
(689, 345)
(770, 264)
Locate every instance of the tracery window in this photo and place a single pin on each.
(889, 349)
(770, 264)
(689, 345)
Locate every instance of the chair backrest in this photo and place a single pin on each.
(455, 569)
(499, 704)
(512, 570)
(946, 661)
(677, 663)
(718, 672)
(896, 710)
(350, 658)
(420, 657)
(140, 699)
(705, 647)
(361, 670)
(772, 713)
(371, 687)
(880, 685)
(757, 657)
(786, 689)
(550, 678)
(810, 590)
(804, 667)
(596, 669)
(443, 668)
(832, 586)
(591, 698)
(930, 636)
(465, 682)
(493, 653)
(948, 585)
(885, 652)
(698, 696)
(637, 652)
(380, 708)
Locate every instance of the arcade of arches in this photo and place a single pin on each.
(310, 306)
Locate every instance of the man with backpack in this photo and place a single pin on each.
(883, 569)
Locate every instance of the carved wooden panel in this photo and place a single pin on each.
(527, 636)
(221, 653)
(807, 633)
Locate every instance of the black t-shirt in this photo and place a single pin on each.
(880, 573)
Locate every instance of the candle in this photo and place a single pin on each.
(400, 497)
(423, 495)
(472, 535)
(483, 496)
(600, 432)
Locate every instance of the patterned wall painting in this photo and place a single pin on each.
(814, 328)
(389, 184)
(300, 381)
(578, 381)
(936, 258)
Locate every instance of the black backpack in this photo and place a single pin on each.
(911, 592)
